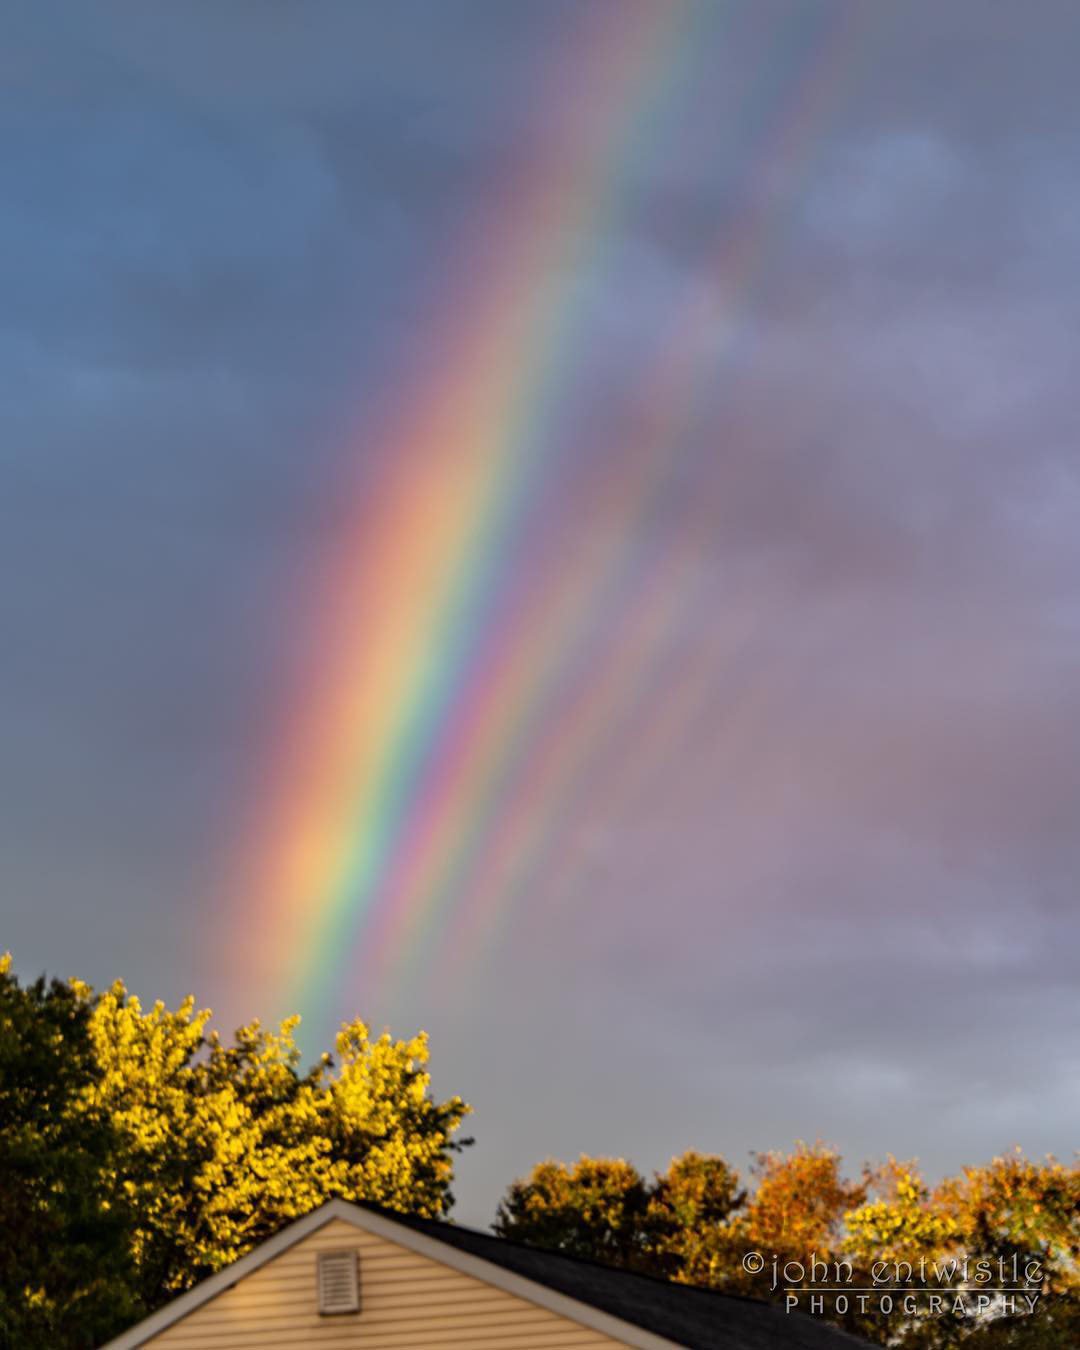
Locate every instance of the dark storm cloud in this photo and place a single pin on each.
(848, 906)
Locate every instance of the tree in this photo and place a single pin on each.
(603, 1209)
(167, 1152)
(689, 1232)
(900, 1228)
(221, 1144)
(64, 1260)
(1016, 1207)
(595, 1209)
(1018, 1210)
(900, 1223)
(799, 1203)
(694, 1223)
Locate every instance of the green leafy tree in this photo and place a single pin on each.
(689, 1234)
(603, 1209)
(596, 1208)
(64, 1257)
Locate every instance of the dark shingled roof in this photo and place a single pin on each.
(700, 1319)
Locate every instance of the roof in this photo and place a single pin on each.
(646, 1313)
(702, 1319)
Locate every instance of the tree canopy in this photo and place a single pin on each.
(695, 1222)
(141, 1151)
(65, 1273)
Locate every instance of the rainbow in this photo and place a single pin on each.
(475, 682)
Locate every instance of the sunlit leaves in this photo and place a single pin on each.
(186, 1149)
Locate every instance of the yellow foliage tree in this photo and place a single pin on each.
(901, 1224)
(799, 1204)
(220, 1144)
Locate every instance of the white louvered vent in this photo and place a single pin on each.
(339, 1286)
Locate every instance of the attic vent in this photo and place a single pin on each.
(339, 1287)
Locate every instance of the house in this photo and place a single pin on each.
(356, 1277)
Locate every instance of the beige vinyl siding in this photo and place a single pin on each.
(407, 1302)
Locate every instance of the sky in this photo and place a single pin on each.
(699, 378)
